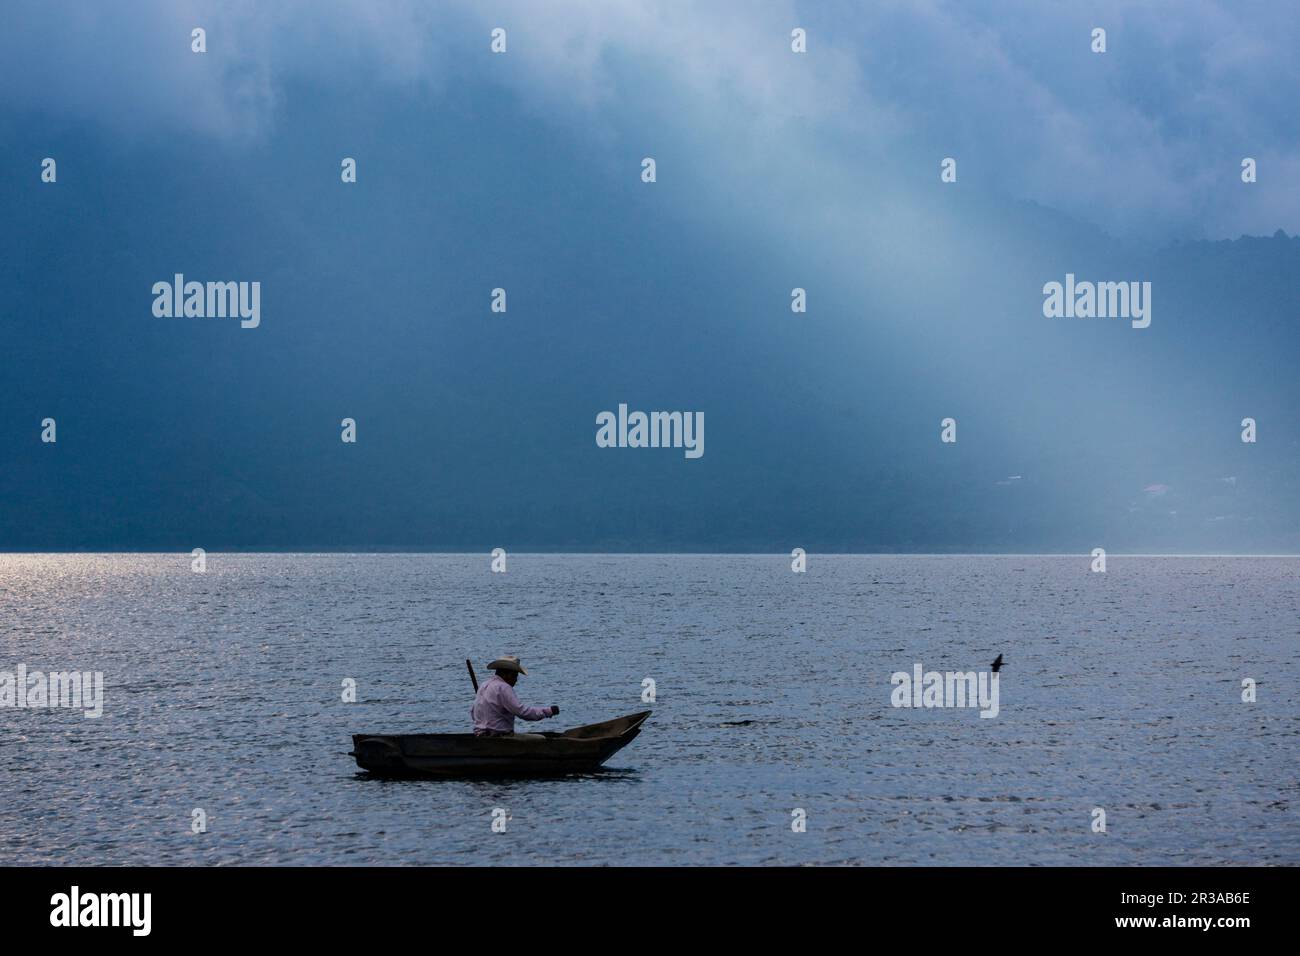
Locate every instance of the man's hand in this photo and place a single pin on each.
(554, 711)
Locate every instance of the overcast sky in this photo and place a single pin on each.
(1142, 140)
(776, 170)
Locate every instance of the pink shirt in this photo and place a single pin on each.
(497, 705)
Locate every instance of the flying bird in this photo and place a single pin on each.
(997, 664)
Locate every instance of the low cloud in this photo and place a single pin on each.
(1144, 140)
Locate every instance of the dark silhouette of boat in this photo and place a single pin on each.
(578, 750)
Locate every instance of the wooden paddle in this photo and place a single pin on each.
(471, 675)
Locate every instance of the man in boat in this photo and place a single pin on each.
(496, 705)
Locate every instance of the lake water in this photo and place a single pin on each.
(223, 691)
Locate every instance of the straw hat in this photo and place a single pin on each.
(508, 662)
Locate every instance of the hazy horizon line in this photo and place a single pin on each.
(741, 554)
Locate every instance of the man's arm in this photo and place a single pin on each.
(516, 707)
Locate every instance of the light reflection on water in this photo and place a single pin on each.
(223, 692)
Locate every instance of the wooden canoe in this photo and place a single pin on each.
(522, 755)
